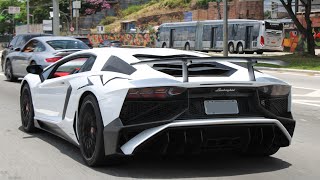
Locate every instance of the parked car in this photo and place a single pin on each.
(17, 42)
(110, 43)
(85, 40)
(123, 102)
(42, 51)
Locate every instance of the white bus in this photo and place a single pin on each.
(245, 36)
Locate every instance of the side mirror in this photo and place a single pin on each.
(17, 49)
(5, 45)
(35, 69)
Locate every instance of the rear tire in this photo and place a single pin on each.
(240, 48)
(90, 130)
(164, 45)
(187, 47)
(26, 109)
(259, 52)
(9, 73)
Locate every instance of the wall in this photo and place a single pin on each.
(132, 39)
(238, 9)
(34, 28)
(294, 41)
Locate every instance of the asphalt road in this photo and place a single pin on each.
(44, 156)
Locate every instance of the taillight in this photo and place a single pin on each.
(262, 41)
(53, 59)
(275, 90)
(155, 92)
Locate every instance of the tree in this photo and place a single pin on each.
(93, 6)
(7, 20)
(305, 31)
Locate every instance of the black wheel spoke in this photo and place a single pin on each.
(88, 129)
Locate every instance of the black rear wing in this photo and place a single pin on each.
(186, 61)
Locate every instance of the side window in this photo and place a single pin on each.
(115, 64)
(39, 47)
(30, 47)
(21, 42)
(69, 67)
(14, 41)
(88, 65)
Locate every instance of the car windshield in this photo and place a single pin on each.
(67, 44)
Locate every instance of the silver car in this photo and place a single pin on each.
(41, 51)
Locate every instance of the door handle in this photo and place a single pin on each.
(62, 83)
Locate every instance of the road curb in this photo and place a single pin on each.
(288, 70)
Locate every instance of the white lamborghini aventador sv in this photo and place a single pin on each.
(119, 102)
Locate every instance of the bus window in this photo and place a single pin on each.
(274, 26)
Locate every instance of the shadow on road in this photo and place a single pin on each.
(206, 165)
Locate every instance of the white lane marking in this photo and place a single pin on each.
(303, 120)
(1, 74)
(312, 89)
(315, 93)
(309, 101)
(305, 103)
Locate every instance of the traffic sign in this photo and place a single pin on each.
(13, 10)
(72, 29)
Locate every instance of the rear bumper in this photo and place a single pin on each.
(271, 49)
(129, 140)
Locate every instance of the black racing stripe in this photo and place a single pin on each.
(114, 79)
(88, 84)
(66, 102)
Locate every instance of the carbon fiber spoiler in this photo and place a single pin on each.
(187, 60)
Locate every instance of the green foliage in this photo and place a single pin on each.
(297, 62)
(108, 20)
(131, 9)
(175, 3)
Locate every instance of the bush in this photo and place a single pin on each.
(131, 9)
(204, 3)
(108, 20)
(175, 3)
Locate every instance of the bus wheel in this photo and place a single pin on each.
(231, 48)
(259, 52)
(164, 45)
(240, 48)
(187, 47)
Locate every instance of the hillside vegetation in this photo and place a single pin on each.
(154, 7)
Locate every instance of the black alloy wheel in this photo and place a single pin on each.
(90, 130)
(26, 109)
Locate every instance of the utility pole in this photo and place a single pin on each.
(28, 18)
(56, 18)
(296, 4)
(225, 28)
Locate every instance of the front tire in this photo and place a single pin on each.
(90, 130)
(231, 48)
(26, 110)
(9, 73)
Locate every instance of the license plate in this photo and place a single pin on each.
(221, 107)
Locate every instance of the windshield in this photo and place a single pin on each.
(67, 44)
(274, 26)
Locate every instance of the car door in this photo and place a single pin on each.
(22, 58)
(52, 95)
